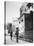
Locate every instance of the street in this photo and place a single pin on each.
(13, 41)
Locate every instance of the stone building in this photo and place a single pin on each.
(28, 19)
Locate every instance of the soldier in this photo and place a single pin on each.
(17, 32)
(11, 31)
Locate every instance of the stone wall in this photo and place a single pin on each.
(29, 26)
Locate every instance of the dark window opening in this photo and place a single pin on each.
(22, 20)
(19, 22)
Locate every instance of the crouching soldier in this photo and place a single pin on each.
(17, 34)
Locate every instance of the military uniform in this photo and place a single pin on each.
(17, 33)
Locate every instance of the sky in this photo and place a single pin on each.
(12, 11)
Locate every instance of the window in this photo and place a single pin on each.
(22, 20)
(19, 22)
